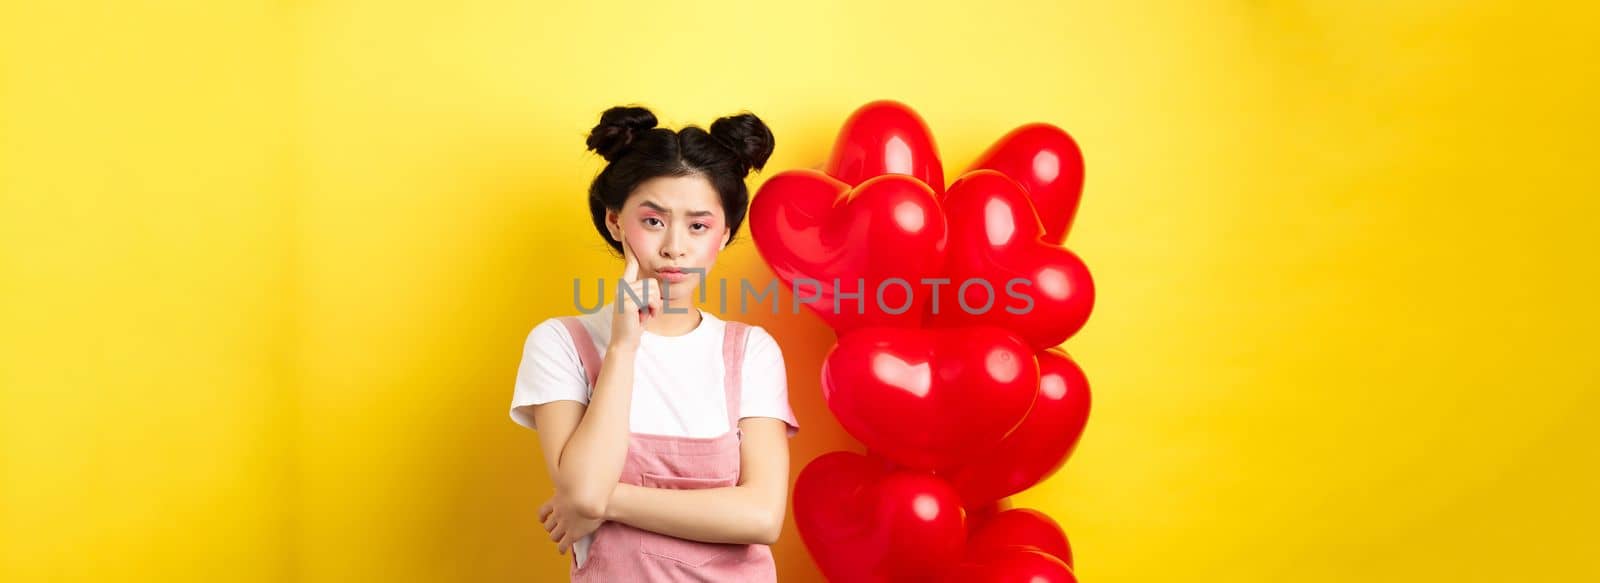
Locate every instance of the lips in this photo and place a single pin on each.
(673, 274)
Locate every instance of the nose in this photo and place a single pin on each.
(674, 245)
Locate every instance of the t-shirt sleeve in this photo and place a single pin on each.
(764, 383)
(550, 371)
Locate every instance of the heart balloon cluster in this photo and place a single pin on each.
(950, 305)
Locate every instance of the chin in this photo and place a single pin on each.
(683, 289)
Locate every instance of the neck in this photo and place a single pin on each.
(672, 323)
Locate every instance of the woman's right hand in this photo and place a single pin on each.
(565, 524)
(627, 326)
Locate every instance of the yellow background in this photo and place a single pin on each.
(266, 269)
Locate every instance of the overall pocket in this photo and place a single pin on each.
(688, 552)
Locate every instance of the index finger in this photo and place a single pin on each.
(630, 272)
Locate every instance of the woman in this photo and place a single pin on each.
(663, 427)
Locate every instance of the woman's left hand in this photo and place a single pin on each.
(565, 525)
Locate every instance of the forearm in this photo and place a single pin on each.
(734, 514)
(591, 462)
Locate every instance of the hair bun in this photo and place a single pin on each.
(617, 128)
(749, 139)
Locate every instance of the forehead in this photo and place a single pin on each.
(682, 194)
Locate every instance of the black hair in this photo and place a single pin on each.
(636, 150)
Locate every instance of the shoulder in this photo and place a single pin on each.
(758, 338)
(552, 335)
(759, 345)
(550, 328)
(765, 388)
(754, 336)
(548, 338)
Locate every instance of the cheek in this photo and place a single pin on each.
(710, 246)
(706, 245)
(636, 233)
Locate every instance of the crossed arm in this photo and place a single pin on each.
(749, 512)
(587, 486)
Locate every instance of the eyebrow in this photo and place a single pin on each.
(666, 210)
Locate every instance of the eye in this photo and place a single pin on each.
(703, 226)
(648, 219)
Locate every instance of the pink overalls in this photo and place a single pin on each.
(622, 553)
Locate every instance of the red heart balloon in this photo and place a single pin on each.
(1013, 565)
(1019, 527)
(885, 137)
(977, 516)
(808, 226)
(864, 522)
(1047, 163)
(929, 399)
(1003, 273)
(1040, 444)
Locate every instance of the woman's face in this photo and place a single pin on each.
(673, 224)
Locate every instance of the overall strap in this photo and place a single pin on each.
(587, 355)
(732, 365)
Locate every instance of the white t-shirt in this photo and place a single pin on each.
(677, 380)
